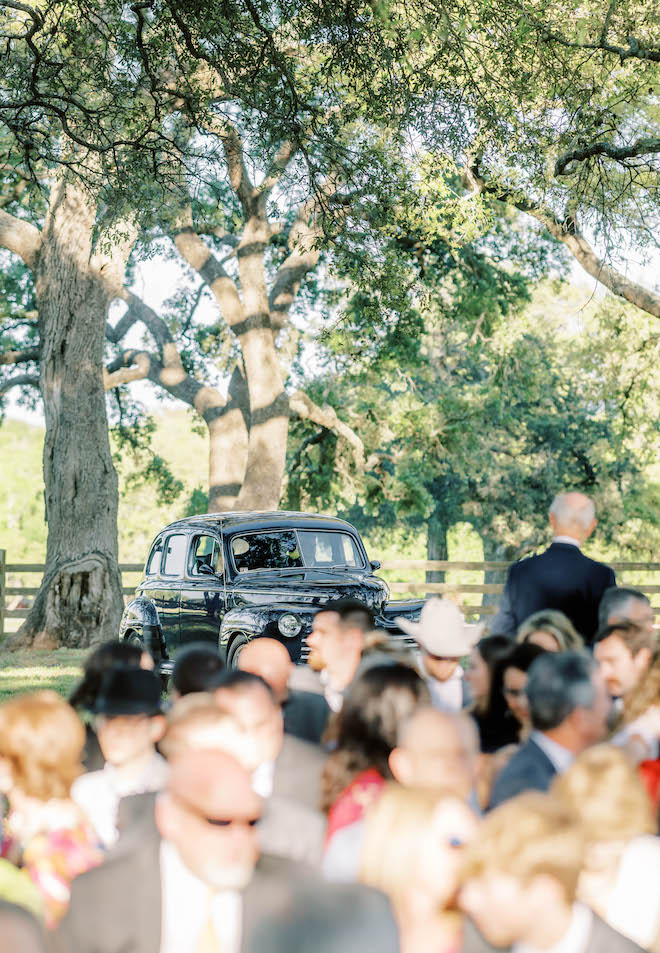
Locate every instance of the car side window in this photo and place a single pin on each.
(153, 562)
(205, 551)
(175, 555)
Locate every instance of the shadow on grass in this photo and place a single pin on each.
(25, 671)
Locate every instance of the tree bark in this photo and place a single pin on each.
(495, 551)
(436, 548)
(228, 446)
(269, 406)
(79, 602)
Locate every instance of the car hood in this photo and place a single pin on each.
(311, 586)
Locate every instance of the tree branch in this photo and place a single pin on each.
(20, 237)
(567, 231)
(20, 357)
(303, 406)
(618, 153)
(200, 257)
(303, 238)
(19, 380)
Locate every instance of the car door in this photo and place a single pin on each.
(203, 591)
(166, 590)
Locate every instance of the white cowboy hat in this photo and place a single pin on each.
(442, 630)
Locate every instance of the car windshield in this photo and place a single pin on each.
(266, 551)
(322, 549)
(282, 550)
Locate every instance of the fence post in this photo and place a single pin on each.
(3, 590)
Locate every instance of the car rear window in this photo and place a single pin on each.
(175, 555)
(266, 551)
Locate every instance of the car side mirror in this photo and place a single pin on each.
(375, 564)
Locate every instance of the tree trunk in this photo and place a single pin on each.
(79, 602)
(269, 405)
(436, 548)
(228, 448)
(495, 551)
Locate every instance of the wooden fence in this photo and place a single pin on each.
(13, 596)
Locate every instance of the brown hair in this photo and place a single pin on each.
(365, 730)
(532, 835)
(604, 791)
(42, 738)
(635, 637)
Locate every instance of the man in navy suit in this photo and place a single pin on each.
(561, 577)
(569, 705)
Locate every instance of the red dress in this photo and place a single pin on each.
(650, 774)
(354, 801)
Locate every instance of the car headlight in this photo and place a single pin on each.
(289, 625)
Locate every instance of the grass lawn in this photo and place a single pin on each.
(28, 671)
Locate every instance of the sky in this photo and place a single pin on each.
(159, 277)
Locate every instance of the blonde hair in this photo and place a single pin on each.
(556, 624)
(395, 829)
(42, 738)
(605, 793)
(647, 692)
(529, 836)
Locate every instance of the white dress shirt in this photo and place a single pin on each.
(575, 939)
(560, 757)
(98, 793)
(447, 695)
(186, 904)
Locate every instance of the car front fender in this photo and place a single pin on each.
(140, 616)
(255, 621)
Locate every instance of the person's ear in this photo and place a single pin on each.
(592, 527)
(400, 766)
(158, 727)
(643, 658)
(553, 522)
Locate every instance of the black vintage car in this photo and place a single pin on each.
(227, 578)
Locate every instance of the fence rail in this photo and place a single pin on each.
(11, 594)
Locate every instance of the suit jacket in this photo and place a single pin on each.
(604, 939)
(298, 771)
(529, 769)
(560, 578)
(306, 716)
(119, 908)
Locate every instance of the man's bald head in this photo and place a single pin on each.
(269, 659)
(573, 514)
(213, 783)
(436, 750)
(208, 812)
(196, 723)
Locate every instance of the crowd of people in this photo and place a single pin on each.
(475, 792)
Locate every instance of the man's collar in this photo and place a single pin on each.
(560, 757)
(571, 540)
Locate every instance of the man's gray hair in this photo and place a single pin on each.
(615, 602)
(573, 508)
(557, 684)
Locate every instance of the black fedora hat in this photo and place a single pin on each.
(128, 691)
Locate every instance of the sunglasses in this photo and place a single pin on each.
(217, 821)
(221, 822)
(515, 692)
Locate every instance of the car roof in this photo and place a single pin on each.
(275, 519)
